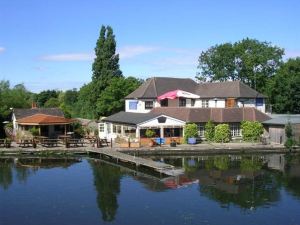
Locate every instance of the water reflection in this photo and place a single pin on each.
(25, 167)
(107, 182)
(247, 182)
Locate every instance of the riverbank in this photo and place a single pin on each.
(183, 149)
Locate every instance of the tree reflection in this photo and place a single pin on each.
(6, 173)
(243, 184)
(107, 183)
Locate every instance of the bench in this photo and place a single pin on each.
(104, 142)
(49, 142)
(25, 143)
(75, 142)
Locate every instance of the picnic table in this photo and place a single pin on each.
(75, 142)
(49, 142)
(26, 143)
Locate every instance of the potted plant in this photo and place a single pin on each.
(150, 134)
(190, 133)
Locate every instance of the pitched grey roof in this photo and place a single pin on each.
(283, 119)
(235, 89)
(21, 113)
(157, 86)
(128, 118)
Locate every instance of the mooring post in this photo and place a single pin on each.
(111, 145)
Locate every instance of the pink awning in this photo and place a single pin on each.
(177, 94)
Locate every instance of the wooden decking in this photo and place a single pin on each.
(160, 167)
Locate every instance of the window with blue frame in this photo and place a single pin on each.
(133, 105)
(259, 102)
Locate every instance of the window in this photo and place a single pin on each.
(201, 129)
(133, 105)
(182, 102)
(259, 102)
(101, 127)
(205, 103)
(235, 130)
(117, 129)
(193, 102)
(164, 103)
(148, 104)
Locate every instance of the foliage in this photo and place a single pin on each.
(190, 131)
(249, 60)
(222, 133)
(251, 130)
(52, 103)
(34, 131)
(288, 130)
(44, 96)
(150, 133)
(209, 132)
(78, 129)
(284, 88)
(112, 98)
(251, 164)
(221, 162)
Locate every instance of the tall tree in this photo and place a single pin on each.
(248, 60)
(112, 98)
(284, 89)
(105, 68)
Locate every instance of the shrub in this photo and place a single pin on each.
(34, 131)
(190, 131)
(222, 133)
(251, 131)
(209, 132)
(289, 143)
(150, 133)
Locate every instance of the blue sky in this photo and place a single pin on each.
(50, 44)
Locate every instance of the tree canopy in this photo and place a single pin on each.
(248, 60)
(284, 88)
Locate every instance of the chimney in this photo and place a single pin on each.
(33, 105)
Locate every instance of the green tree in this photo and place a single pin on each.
(284, 88)
(44, 96)
(112, 98)
(190, 131)
(52, 103)
(251, 130)
(209, 132)
(249, 60)
(222, 133)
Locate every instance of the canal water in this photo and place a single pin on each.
(223, 189)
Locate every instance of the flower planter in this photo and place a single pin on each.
(192, 141)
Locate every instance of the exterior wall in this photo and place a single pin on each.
(219, 103)
(140, 105)
(251, 103)
(169, 122)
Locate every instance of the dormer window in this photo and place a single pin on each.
(182, 102)
(148, 104)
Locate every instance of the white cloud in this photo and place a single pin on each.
(127, 52)
(292, 54)
(2, 49)
(68, 57)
